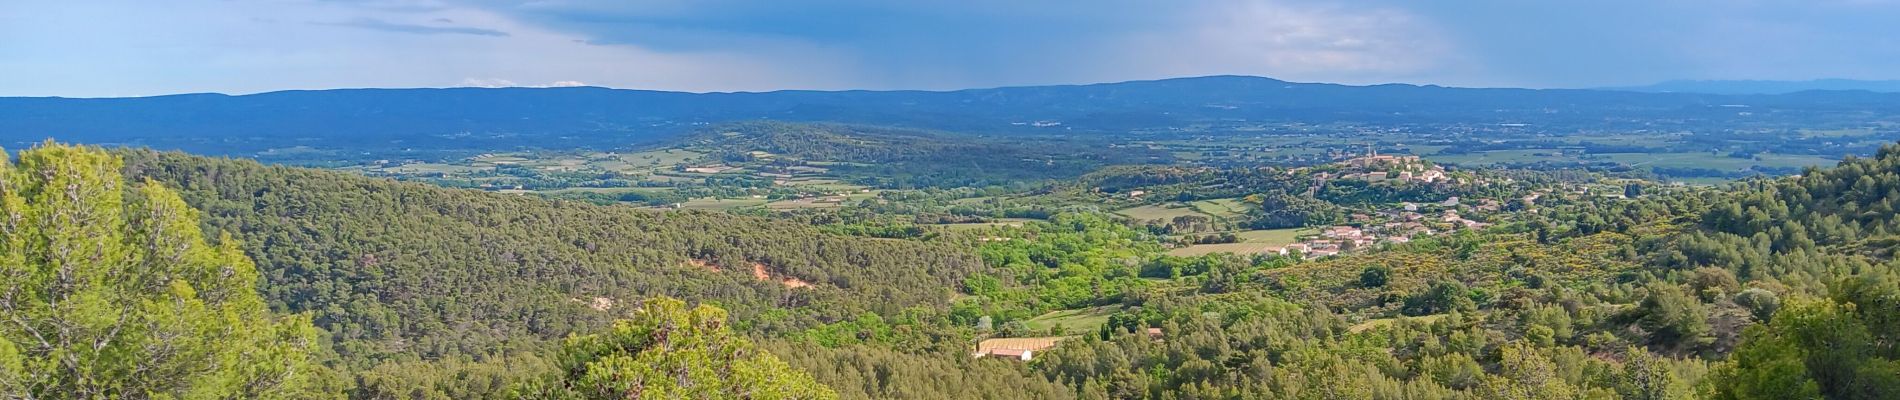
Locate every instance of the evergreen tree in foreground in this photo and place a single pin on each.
(110, 291)
(667, 351)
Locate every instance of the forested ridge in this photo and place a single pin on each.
(397, 270)
(377, 119)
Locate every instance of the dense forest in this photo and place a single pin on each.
(399, 272)
(371, 288)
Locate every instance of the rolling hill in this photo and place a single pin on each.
(375, 120)
(394, 269)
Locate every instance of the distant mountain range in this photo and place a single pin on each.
(380, 119)
(1763, 87)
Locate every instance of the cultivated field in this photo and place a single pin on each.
(1251, 242)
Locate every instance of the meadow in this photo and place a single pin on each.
(1251, 242)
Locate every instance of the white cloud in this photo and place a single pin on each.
(503, 83)
(1293, 40)
(487, 83)
(139, 47)
(129, 48)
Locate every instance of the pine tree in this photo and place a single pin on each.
(667, 351)
(110, 291)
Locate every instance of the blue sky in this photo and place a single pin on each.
(126, 48)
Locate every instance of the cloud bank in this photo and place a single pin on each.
(381, 25)
(125, 47)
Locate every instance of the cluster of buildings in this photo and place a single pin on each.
(1392, 226)
(1333, 240)
(1376, 168)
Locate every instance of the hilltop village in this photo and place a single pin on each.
(1352, 204)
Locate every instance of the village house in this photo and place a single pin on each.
(1488, 205)
(1454, 218)
(1023, 349)
(1019, 354)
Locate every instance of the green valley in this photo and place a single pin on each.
(789, 259)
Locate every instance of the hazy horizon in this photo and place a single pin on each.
(1653, 87)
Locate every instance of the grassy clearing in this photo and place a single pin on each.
(1251, 242)
(1149, 212)
(1274, 236)
(1072, 321)
(1236, 248)
(1221, 208)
